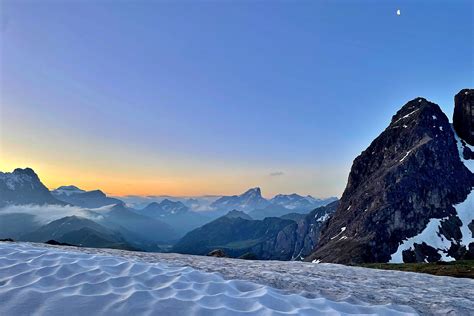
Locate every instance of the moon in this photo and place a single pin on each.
(399, 12)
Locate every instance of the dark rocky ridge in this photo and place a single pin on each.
(271, 238)
(87, 199)
(409, 174)
(308, 230)
(463, 116)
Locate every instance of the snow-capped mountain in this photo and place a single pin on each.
(87, 199)
(409, 195)
(297, 202)
(23, 186)
(164, 208)
(247, 201)
(67, 190)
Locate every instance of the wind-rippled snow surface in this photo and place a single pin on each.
(63, 281)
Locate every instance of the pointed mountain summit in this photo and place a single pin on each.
(402, 196)
(247, 201)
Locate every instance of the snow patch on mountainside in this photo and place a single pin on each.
(67, 190)
(432, 234)
(468, 163)
(12, 179)
(465, 212)
(465, 209)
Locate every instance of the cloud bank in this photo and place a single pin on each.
(45, 214)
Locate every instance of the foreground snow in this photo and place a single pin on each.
(39, 279)
(56, 282)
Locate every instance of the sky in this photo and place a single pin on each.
(214, 97)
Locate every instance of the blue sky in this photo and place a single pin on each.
(193, 97)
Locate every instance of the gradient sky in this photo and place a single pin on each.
(214, 97)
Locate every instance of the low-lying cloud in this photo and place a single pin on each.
(45, 214)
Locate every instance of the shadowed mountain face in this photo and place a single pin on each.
(22, 186)
(271, 238)
(236, 236)
(78, 231)
(463, 116)
(87, 199)
(410, 175)
(175, 214)
(121, 218)
(238, 214)
(164, 208)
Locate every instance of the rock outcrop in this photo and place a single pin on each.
(308, 230)
(408, 180)
(218, 253)
(463, 117)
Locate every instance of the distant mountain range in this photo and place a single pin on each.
(215, 206)
(93, 219)
(87, 199)
(175, 214)
(258, 207)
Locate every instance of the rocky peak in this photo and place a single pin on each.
(254, 192)
(23, 186)
(165, 208)
(238, 214)
(249, 200)
(408, 175)
(463, 116)
(27, 171)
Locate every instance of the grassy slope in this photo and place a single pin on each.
(459, 269)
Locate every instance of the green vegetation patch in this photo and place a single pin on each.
(458, 269)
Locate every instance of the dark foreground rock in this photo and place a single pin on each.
(463, 117)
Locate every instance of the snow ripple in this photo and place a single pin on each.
(47, 281)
